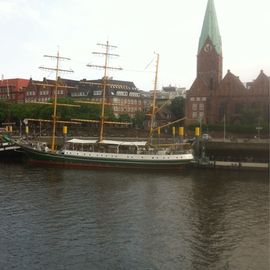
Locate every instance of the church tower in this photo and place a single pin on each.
(209, 58)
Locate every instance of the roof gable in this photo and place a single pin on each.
(231, 86)
(261, 85)
(199, 87)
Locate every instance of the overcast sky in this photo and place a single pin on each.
(32, 28)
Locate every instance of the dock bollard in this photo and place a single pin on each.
(181, 134)
(65, 133)
(197, 135)
(173, 132)
(197, 132)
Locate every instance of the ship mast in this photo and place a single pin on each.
(153, 102)
(56, 70)
(106, 54)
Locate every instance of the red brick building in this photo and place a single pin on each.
(43, 91)
(12, 90)
(211, 98)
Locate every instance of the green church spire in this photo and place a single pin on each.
(210, 28)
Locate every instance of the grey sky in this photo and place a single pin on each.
(139, 28)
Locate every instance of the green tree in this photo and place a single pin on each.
(17, 112)
(109, 114)
(177, 107)
(3, 111)
(124, 118)
(21, 111)
(250, 116)
(139, 119)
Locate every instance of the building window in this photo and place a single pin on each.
(201, 114)
(194, 115)
(201, 106)
(132, 94)
(194, 106)
(192, 99)
(97, 93)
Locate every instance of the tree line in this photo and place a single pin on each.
(249, 118)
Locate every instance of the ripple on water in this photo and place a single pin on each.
(72, 219)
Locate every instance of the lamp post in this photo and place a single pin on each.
(259, 128)
(224, 127)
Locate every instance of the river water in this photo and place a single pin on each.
(77, 219)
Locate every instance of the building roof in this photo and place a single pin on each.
(17, 83)
(198, 88)
(261, 85)
(210, 28)
(113, 84)
(231, 86)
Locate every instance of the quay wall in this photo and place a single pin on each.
(237, 151)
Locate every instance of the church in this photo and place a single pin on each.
(212, 97)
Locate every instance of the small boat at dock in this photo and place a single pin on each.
(9, 150)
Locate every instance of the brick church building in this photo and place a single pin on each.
(213, 97)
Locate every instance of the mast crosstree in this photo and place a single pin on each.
(106, 68)
(57, 70)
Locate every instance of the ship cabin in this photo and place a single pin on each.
(106, 146)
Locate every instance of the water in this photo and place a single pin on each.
(78, 219)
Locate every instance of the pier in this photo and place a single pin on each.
(240, 154)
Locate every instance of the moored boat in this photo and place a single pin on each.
(9, 151)
(107, 153)
(8, 146)
(79, 153)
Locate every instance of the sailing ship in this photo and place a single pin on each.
(81, 153)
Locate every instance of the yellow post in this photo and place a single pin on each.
(181, 134)
(173, 132)
(181, 131)
(64, 133)
(65, 130)
(158, 132)
(197, 131)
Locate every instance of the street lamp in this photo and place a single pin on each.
(259, 127)
(259, 130)
(224, 127)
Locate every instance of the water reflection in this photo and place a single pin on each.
(67, 219)
(208, 221)
(225, 215)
